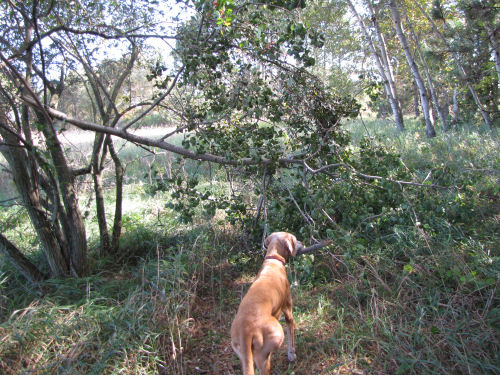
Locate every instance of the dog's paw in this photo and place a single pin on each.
(292, 357)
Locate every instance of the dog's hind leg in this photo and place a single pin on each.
(290, 331)
(273, 339)
(263, 363)
(245, 354)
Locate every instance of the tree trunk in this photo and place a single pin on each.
(432, 90)
(97, 172)
(15, 155)
(493, 39)
(105, 102)
(434, 97)
(19, 261)
(76, 238)
(119, 172)
(454, 120)
(386, 63)
(101, 212)
(27, 176)
(429, 127)
(384, 72)
(416, 104)
(445, 107)
(461, 69)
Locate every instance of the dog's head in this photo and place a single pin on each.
(285, 241)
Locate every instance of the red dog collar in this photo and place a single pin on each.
(276, 257)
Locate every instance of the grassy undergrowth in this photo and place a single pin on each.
(423, 301)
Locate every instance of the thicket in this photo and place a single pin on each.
(410, 284)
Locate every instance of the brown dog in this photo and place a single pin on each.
(256, 331)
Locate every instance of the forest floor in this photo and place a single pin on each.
(208, 349)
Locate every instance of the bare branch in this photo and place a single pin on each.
(82, 171)
(262, 198)
(324, 168)
(156, 102)
(5, 201)
(315, 247)
(304, 214)
(116, 35)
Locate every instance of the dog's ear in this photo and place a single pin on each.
(293, 244)
(298, 246)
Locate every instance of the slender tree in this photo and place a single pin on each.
(458, 61)
(384, 69)
(43, 174)
(424, 100)
(430, 83)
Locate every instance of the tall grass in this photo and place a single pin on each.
(123, 319)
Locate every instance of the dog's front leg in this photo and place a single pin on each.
(290, 333)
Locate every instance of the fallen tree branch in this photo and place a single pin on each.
(368, 177)
(160, 143)
(85, 125)
(399, 182)
(312, 248)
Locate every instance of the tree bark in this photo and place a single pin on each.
(386, 61)
(66, 179)
(97, 172)
(416, 103)
(493, 40)
(454, 120)
(313, 248)
(15, 155)
(429, 127)
(74, 229)
(19, 261)
(119, 172)
(493, 34)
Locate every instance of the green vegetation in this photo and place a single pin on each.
(127, 248)
(407, 290)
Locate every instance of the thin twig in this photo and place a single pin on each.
(262, 196)
(306, 216)
(9, 200)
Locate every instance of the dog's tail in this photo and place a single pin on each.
(247, 355)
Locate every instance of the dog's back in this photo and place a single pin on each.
(256, 331)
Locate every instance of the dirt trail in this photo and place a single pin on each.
(208, 350)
